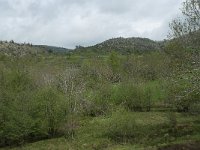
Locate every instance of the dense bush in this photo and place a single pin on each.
(98, 102)
(135, 97)
(17, 90)
(183, 94)
(150, 66)
(27, 112)
(50, 110)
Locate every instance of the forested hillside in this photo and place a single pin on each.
(124, 46)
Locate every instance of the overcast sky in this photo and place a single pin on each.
(69, 23)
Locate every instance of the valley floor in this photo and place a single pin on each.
(90, 131)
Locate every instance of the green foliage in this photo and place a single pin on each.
(183, 94)
(16, 100)
(99, 101)
(3, 57)
(122, 126)
(51, 110)
(184, 82)
(77, 96)
(122, 46)
(27, 112)
(125, 126)
(175, 49)
(135, 97)
(150, 66)
(114, 62)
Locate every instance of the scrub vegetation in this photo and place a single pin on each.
(102, 97)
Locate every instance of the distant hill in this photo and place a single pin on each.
(54, 49)
(15, 49)
(123, 45)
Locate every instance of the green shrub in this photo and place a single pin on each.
(27, 111)
(3, 57)
(50, 110)
(98, 101)
(135, 97)
(183, 94)
(16, 99)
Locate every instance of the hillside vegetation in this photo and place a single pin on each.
(110, 101)
(14, 49)
(103, 97)
(123, 46)
(26, 49)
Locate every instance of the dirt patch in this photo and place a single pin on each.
(186, 146)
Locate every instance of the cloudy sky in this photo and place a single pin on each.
(69, 23)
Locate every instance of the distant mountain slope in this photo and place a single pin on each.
(54, 49)
(15, 49)
(123, 45)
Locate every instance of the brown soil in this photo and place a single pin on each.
(187, 146)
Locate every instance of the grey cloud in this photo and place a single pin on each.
(72, 22)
